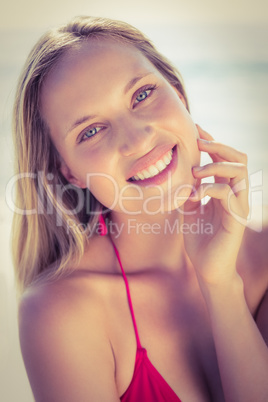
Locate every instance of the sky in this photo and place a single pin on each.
(156, 18)
(29, 14)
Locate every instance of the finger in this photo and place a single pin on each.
(230, 170)
(225, 152)
(227, 172)
(217, 157)
(226, 197)
(204, 134)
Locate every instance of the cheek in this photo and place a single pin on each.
(172, 114)
(87, 160)
(175, 118)
(104, 188)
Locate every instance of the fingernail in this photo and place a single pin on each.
(198, 168)
(204, 141)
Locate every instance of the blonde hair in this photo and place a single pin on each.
(45, 244)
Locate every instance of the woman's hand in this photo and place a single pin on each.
(221, 222)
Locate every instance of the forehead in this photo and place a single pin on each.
(90, 71)
(98, 59)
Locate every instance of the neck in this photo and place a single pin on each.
(148, 242)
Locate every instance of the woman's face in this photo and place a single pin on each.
(121, 129)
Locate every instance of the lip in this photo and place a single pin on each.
(149, 159)
(162, 176)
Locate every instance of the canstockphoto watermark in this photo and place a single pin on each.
(82, 199)
(254, 219)
(133, 226)
(45, 191)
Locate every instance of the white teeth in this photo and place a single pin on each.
(166, 160)
(153, 170)
(160, 165)
(168, 157)
(146, 174)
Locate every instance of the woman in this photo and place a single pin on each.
(132, 290)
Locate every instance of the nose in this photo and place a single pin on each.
(135, 136)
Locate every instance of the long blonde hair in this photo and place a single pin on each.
(48, 235)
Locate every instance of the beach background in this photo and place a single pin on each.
(221, 49)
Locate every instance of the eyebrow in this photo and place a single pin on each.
(134, 81)
(128, 87)
(80, 121)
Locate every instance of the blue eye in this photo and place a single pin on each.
(143, 95)
(90, 132)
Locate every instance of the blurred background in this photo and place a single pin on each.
(221, 49)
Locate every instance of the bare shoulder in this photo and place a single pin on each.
(253, 266)
(65, 342)
(72, 295)
(58, 302)
(253, 257)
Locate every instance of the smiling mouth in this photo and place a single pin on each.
(154, 169)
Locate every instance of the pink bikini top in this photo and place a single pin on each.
(147, 384)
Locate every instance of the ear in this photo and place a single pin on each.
(66, 172)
